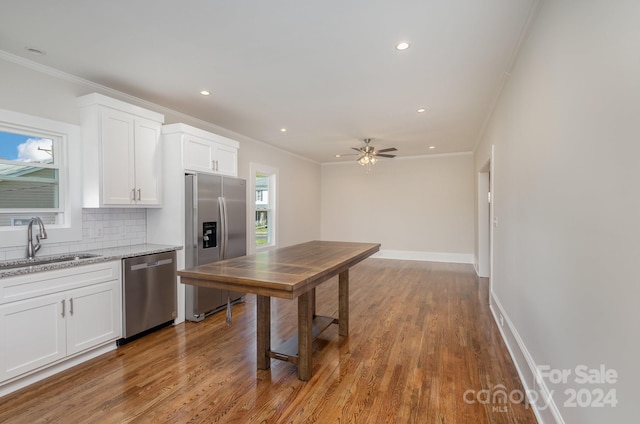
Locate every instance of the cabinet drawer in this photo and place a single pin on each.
(40, 283)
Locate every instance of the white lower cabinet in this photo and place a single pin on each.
(84, 312)
(33, 334)
(91, 316)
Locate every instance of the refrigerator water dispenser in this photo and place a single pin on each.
(209, 235)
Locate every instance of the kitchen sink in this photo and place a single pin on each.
(23, 263)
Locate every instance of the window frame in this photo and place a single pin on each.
(67, 140)
(255, 168)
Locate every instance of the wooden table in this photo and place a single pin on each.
(290, 272)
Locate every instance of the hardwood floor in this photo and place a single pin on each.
(422, 345)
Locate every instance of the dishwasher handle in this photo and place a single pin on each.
(153, 264)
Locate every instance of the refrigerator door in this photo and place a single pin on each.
(234, 192)
(208, 189)
(203, 239)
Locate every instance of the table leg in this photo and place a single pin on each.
(343, 303)
(313, 302)
(263, 324)
(305, 335)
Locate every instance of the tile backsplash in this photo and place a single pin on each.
(101, 228)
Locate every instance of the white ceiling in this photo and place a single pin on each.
(326, 70)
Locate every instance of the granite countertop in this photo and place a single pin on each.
(47, 263)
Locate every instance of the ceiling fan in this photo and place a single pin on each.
(368, 155)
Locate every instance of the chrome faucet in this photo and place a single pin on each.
(31, 249)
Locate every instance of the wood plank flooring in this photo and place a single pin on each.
(421, 341)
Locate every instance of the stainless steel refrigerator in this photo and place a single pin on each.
(215, 228)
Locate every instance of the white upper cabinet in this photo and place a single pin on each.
(203, 151)
(122, 155)
(226, 160)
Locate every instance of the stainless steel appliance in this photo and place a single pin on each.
(215, 229)
(149, 293)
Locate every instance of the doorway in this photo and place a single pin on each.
(484, 221)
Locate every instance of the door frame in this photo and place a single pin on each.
(485, 219)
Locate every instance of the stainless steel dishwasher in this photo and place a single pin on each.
(149, 293)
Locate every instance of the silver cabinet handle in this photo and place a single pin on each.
(71, 306)
(133, 194)
(213, 165)
(139, 196)
(63, 307)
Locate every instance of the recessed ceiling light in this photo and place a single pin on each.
(283, 130)
(337, 156)
(402, 46)
(205, 93)
(432, 147)
(421, 110)
(36, 52)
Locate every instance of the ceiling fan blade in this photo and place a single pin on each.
(390, 149)
(357, 149)
(386, 156)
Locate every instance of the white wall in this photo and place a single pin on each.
(567, 143)
(39, 91)
(417, 208)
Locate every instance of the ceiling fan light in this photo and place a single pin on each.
(369, 155)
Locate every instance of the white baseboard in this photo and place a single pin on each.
(539, 395)
(459, 258)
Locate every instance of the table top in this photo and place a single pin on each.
(286, 272)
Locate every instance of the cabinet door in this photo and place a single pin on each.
(226, 160)
(117, 133)
(148, 162)
(32, 333)
(197, 154)
(94, 316)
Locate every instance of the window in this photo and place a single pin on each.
(263, 210)
(29, 178)
(263, 184)
(36, 179)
